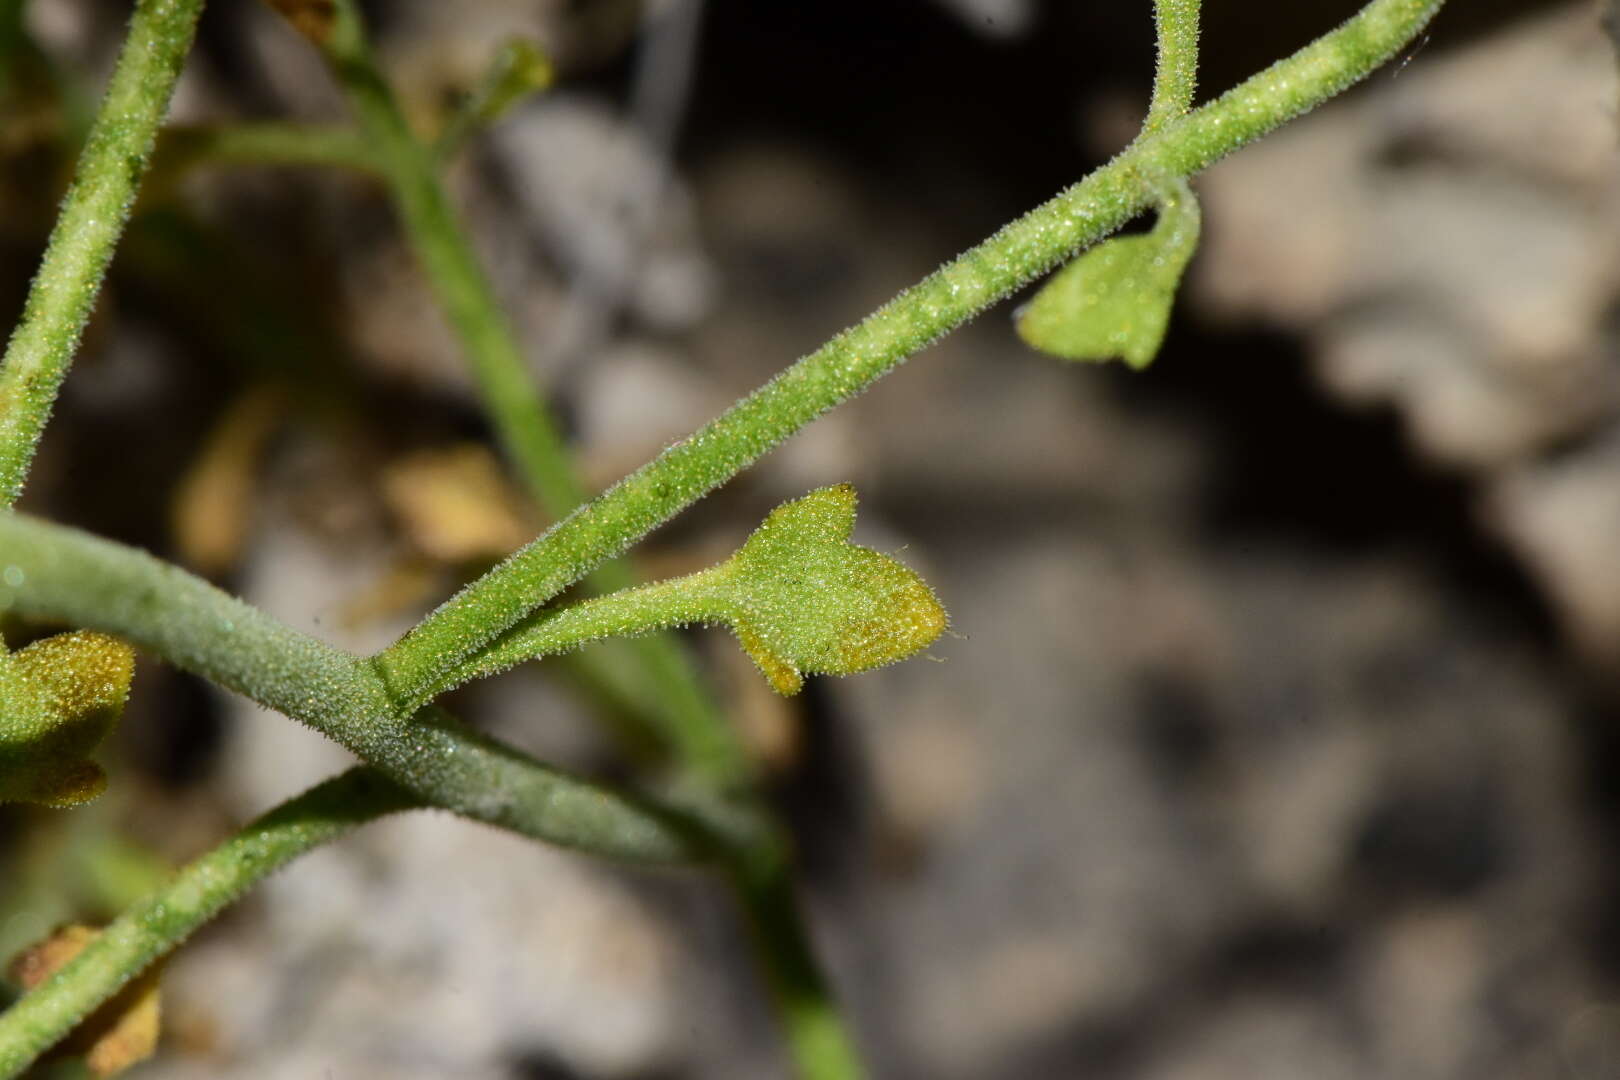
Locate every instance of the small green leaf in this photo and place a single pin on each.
(517, 70)
(1114, 300)
(803, 600)
(59, 698)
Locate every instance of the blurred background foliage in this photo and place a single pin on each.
(1280, 739)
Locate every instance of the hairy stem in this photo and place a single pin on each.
(53, 572)
(690, 720)
(851, 361)
(646, 608)
(154, 927)
(87, 229)
(1176, 22)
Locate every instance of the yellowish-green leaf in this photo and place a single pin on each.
(800, 597)
(59, 698)
(804, 600)
(1114, 300)
(518, 69)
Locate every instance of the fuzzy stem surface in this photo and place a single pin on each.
(688, 717)
(1176, 23)
(54, 572)
(87, 229)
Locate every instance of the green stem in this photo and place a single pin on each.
(452, 270)
(180, 148)
(821, 1046)
(853, 360)
(691, 721)
(53, 572)
(87, 229)
(1177, 76)
(658, 606)
(154, 927)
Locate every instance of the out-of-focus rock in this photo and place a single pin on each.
(994, 18)
(510, 949)
(456, 505)
(1448, 240)
(602, 196)
(1562, 515)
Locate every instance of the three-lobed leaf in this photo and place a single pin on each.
(804, 600)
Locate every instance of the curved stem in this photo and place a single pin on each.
(854, 359)
(87, 229)
(1176, 22)
(660, 605)
(54, 572)
(155, 926)
(690, 719)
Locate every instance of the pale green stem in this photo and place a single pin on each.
(87, 229)
(452, 270)
(691, 721)
(1012, 258)
(1177, 76)
(180, 148)
(659, 606)
(53, 572)
(153, 927)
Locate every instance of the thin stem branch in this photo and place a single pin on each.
(660, 605)
(690, 720)
(854, 359)
(154, 927)
(87, 229)
(821, 1045)
(180, 148)
(1176, 22)
(54, 572)
(452, 269)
